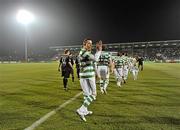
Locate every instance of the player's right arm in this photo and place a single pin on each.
(113, 65)
(60, 62)
(68, 60)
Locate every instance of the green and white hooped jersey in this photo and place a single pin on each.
(86, 64)
(126, 61)
(118, 62)
(104, 59)
(113, 57)
(130, 60)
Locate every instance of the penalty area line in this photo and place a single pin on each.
(51, 113)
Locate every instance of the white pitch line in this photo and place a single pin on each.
(48, 115)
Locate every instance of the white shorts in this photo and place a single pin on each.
(118, 72)
(135, 69)
(88, 86)
(103, 72)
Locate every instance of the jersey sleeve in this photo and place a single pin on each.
(60, 61)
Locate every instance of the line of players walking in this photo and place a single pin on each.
(96, 68)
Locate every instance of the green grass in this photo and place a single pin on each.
(29, 91)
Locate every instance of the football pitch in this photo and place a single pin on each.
(30, 91)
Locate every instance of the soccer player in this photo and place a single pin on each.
(103, 64)
(126, 67)
(72, 63)
(87, 78)
(98, 50)
(77, 62)
(140, 63)
(113, 57)
(118, 69)
(65, 67)
(130, 60)
(97, 54)
(135, 69)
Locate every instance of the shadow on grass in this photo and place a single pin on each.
(162, 120)
(138, 119)
(158, 84)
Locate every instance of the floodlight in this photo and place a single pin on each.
(24, 17)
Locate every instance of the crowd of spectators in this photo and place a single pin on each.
(164, 53)
(148, 53)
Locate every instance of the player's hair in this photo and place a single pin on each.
(66, 51)
(85, 41)
(98, 45)
(100, 42)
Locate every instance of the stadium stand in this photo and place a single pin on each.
(159, 51)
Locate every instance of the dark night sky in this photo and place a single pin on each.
(68, 22)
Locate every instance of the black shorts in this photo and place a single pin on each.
(66, 73)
